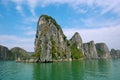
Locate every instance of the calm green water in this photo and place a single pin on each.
(76, 70)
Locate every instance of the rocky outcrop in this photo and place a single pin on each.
(115, 53)
(76, 46)
(4, 53)
(18, 52)
(50, 42)
(13, 54)
(102, 50)
(90, 50)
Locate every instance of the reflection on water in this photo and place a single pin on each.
(76, 70)
(51, 71)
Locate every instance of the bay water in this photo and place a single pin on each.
(101, 69)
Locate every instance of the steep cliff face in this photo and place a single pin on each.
(18, 52)
(50, 42)
(76, 46)
(115, 53)
(4, 53)
(90, 50)
(102, 50)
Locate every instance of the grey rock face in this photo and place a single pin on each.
(76, 39)
(4, 53)
(18, 52)
(90, 50)
(115, 53)
(76, 46)
(50, 42)
(102, 50)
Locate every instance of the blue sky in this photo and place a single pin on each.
(97, 20)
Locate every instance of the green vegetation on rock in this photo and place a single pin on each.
(17, 52)
(65, 37)
(53, 50)
(52, 20)
(75, 52)
(99, 51)
(37, 54)
(38, 50)
(56, 51)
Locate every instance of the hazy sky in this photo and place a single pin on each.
(97, 20)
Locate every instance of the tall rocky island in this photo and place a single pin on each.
(52, 45)
(50, 42)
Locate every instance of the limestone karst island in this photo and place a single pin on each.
(51, 45)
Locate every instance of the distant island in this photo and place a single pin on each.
(51, 45)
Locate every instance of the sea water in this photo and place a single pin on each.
(101, 69)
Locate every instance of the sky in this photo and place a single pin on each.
(97, 20)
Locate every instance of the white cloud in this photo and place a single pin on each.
(20, 10)
(31, 19)
(109, 35)
(19, 6)
(28, 30)
(13, 41)
(33, 4)
(109, 5)
(93, 22)
(104, 5)
(30, 33)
